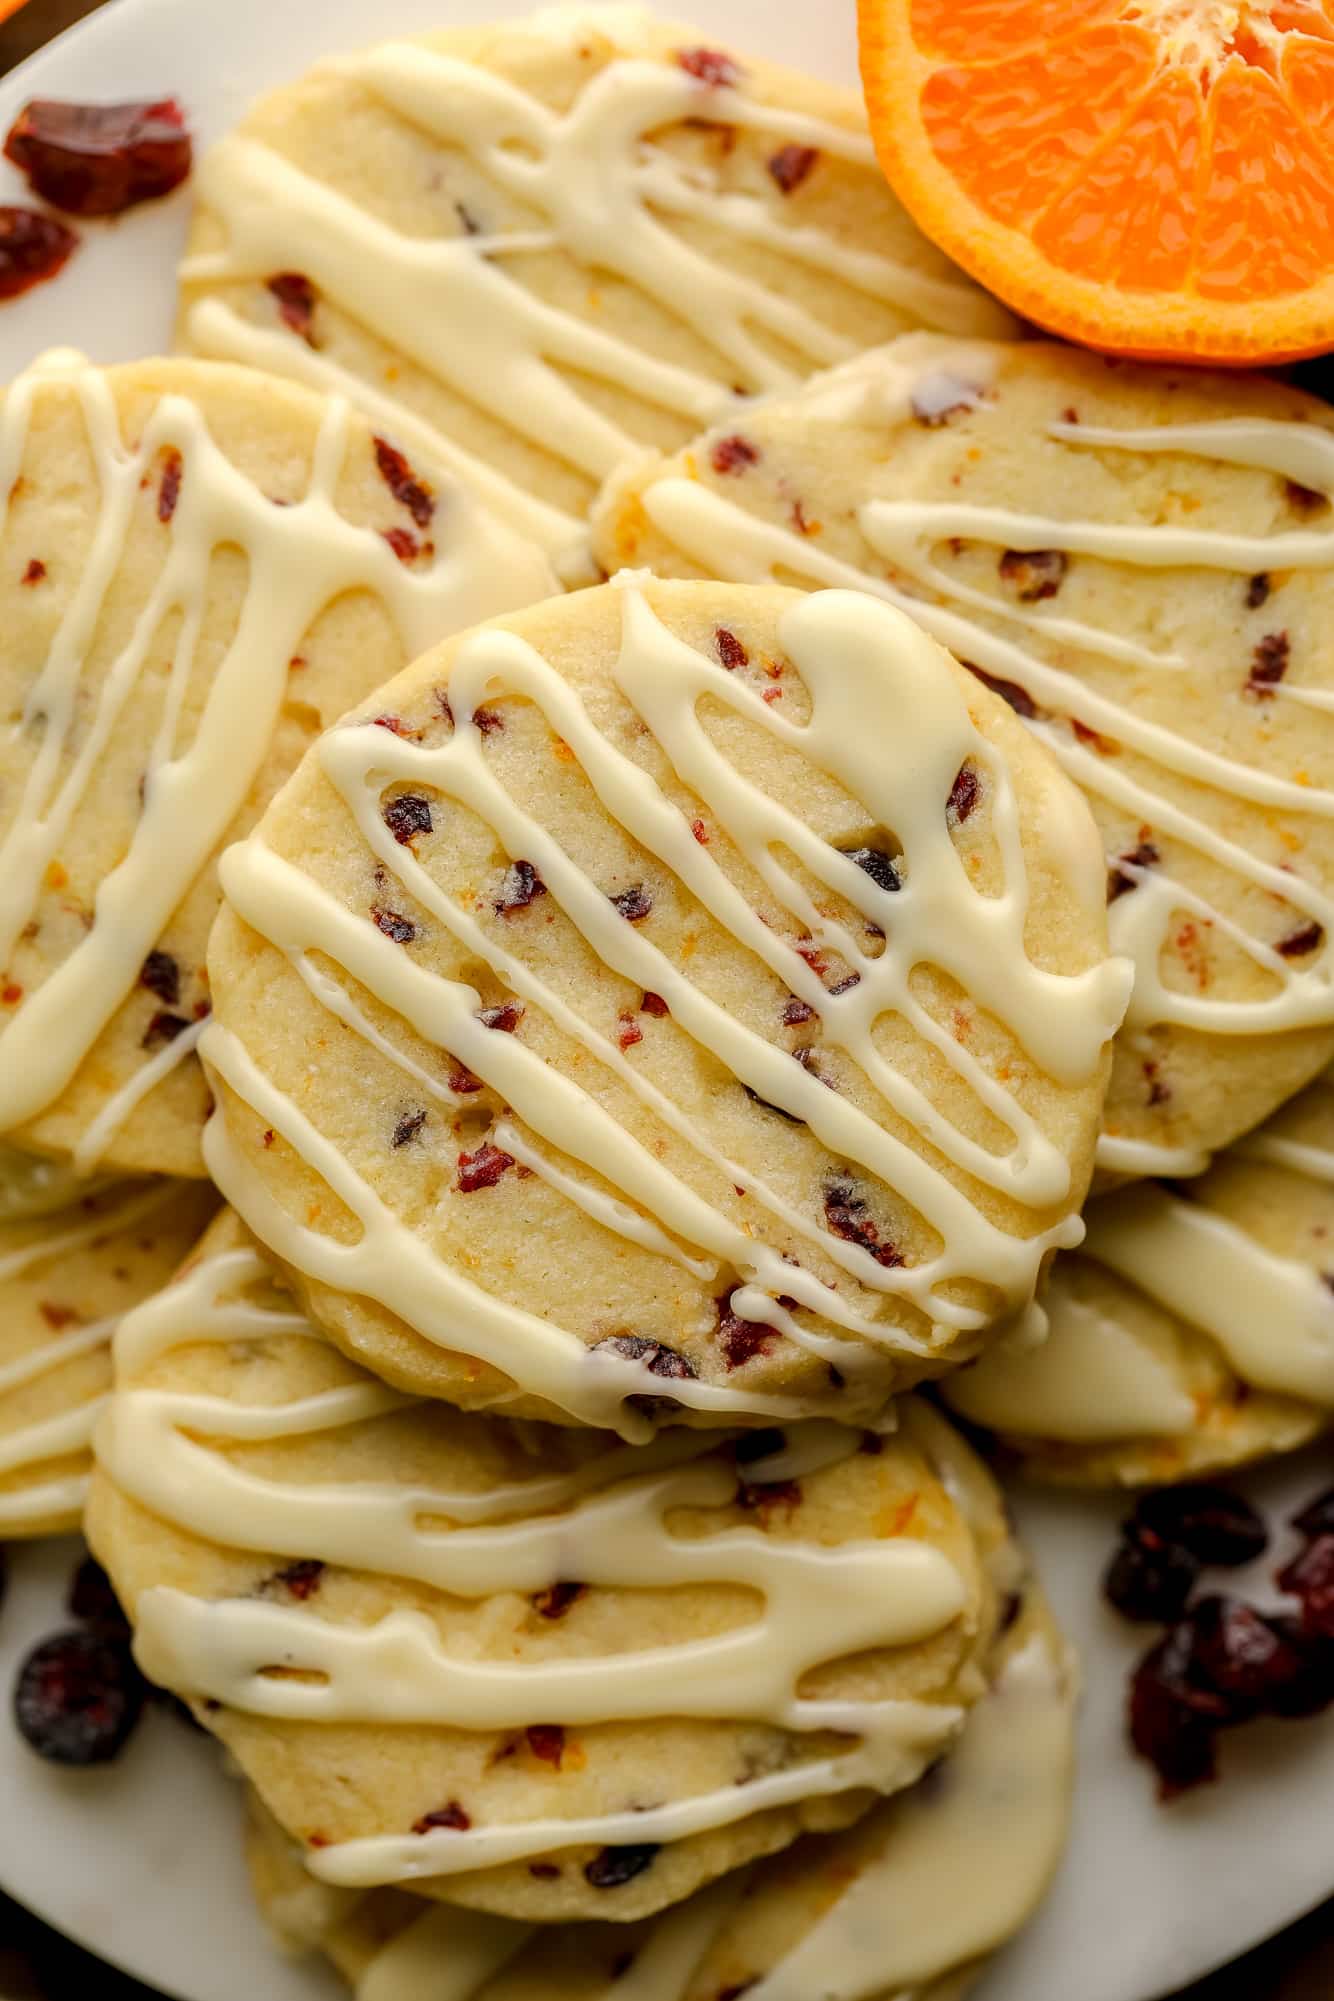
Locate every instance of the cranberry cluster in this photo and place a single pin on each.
(88, 160)
(1222, 1661)
(79, 1695)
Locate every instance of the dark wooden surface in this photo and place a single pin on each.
(36, 1964)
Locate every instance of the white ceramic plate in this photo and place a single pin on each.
(142, 1862)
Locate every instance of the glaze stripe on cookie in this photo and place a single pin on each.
(607, 1525)
(718, 533)
(899, 1921)
(69, 1431)
(597, 187)
(300, 559)
(864, 669)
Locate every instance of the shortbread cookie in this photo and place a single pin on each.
(861, 1916)
(1142, 562)
(1195, 1329)
(528, 1667)
(536, 248)
(199, 569)
(67, 1272)
(672, 999)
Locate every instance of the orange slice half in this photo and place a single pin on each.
(1152, 177)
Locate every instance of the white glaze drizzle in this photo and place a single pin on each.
(863, 669)
(598, 189)
(993, 1815)
(1091, 1382)
(605, 1524)
(69, 1431)
(717, 532)
(1272, 1316)
(301, 558)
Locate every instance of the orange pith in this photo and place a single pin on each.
(1155, 177)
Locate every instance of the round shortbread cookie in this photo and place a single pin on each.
(686, 995)
(72, 1260)
(590, 232)
(860, 1914)
(1142, 562)
(527, 1667)
(199, 569)
(1193, 1332)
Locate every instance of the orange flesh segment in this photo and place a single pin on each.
(1015, 134)
(1128, 218)
(1077, 124)
(982, 30)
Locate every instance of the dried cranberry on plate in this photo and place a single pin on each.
(100, 159)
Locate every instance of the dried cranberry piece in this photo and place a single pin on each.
(487, 721)
(845, 1213)
(169, 491)
(1317, 1517)
(1173, 1722)
(521, 886)
(556, 1600)
(1149, 1579)
(764, 1495)
(655, 1005)
(1310, 1578)
(790, 165)
(77, 1698)
(1269, 663)
(92, 1599)
(394, 925)
(1214, 1524)
(1305, 1686)
(634, 903)
(1257, 590)
(657, 1359)
(741, 1340)
(164, 1027)
(405, 546)
(482, 1169)
(547, 1742)
(35, 572)
(881, 867)
(964, 795)
(300, 1580)
(1119, 880)
(451, 1815)
(1306, 938)
(408, 1127)
(403, 483)
(100, 159)
(296, 298)
(1035, 573)
(33, 247)
(161, 974)
(407, 815)
(733, 455)
(1011, 692)
(730, 649)
(795, 1012)
(1237, 1653)
(711, 66)
(504, 1018)
(615, 1866)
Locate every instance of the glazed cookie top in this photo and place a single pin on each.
(866, 1916)
(591, 232)
(1195, 1328)
(1141, 561)
(711, 1004)
(527, 1667)
(72, 1259)
(199, 569)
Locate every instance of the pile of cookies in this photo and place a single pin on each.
(616, 800)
